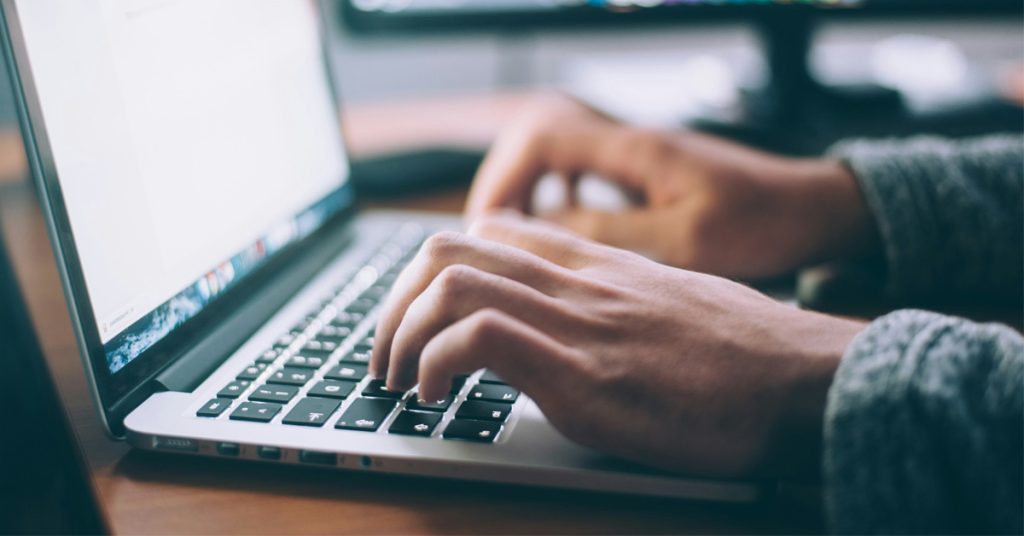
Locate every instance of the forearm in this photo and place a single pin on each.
(949, 215)
(923, 428)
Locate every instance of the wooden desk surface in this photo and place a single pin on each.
(144, 493)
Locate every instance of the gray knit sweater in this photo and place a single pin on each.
(924, 429)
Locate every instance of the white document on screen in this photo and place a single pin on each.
(181, 131)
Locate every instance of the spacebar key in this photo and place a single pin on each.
(366, 414)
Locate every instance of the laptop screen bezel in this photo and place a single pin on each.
(111, 390)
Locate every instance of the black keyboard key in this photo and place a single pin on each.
(318, 348)
(432, 405)
(234, 389)
(493, 393)
(387, 280)
(269, 356)
(304, 324)
(311, 412)
(357, 357)
(364, 347)
(291, 376)
(346, 371)
(365, 414)
(415, 423)
(256, 412)
(484, 411)
(252, 372)
(378, 389)
(490, 377)
(375, 293)
(274, 393)
(457, 383)
(470, 430)
(306, 361)
(214, 407)
(332, 389)
(347, 320)
(335, 334)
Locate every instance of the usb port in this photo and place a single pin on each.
(269, 453)
(320, 458)
(228, 449)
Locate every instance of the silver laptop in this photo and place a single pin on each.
(221, 284)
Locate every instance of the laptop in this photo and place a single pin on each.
(46, 487)
(221, 283)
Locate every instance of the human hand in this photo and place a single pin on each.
(706, 204)
(659, 365)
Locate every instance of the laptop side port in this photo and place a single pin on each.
(318, 458)
(228, 449)
(269, 453)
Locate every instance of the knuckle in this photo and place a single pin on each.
(454, 281)
(649, 145)
(487, 225)
(442, 245)
(486, 327)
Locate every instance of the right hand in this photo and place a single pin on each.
(707, 204)
(681, 370)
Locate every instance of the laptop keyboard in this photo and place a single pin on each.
(315, 375)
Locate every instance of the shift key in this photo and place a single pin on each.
(366, 414)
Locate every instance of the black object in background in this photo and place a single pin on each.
(374, 17)
(794, 113)
(414, 172)
(44, 485)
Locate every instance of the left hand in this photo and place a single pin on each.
(663, 366)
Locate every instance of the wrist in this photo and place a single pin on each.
(836, 212)
(820, 342)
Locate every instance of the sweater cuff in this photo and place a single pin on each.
(888, 182)
(924, 413)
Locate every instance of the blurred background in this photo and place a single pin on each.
(430, 82)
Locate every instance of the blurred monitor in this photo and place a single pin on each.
(476, 15)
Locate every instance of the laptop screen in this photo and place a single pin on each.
(192, 140)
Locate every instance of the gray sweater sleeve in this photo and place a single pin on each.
(950, 215)
(924, 428)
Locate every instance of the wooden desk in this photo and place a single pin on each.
(145, 493)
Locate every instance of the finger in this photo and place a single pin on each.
(457, 292)
(446, 249)
(536, 236)
(522, 355)
(641, 230)
(508, 173)
(515, 163)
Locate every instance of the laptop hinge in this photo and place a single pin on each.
(196, 364)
